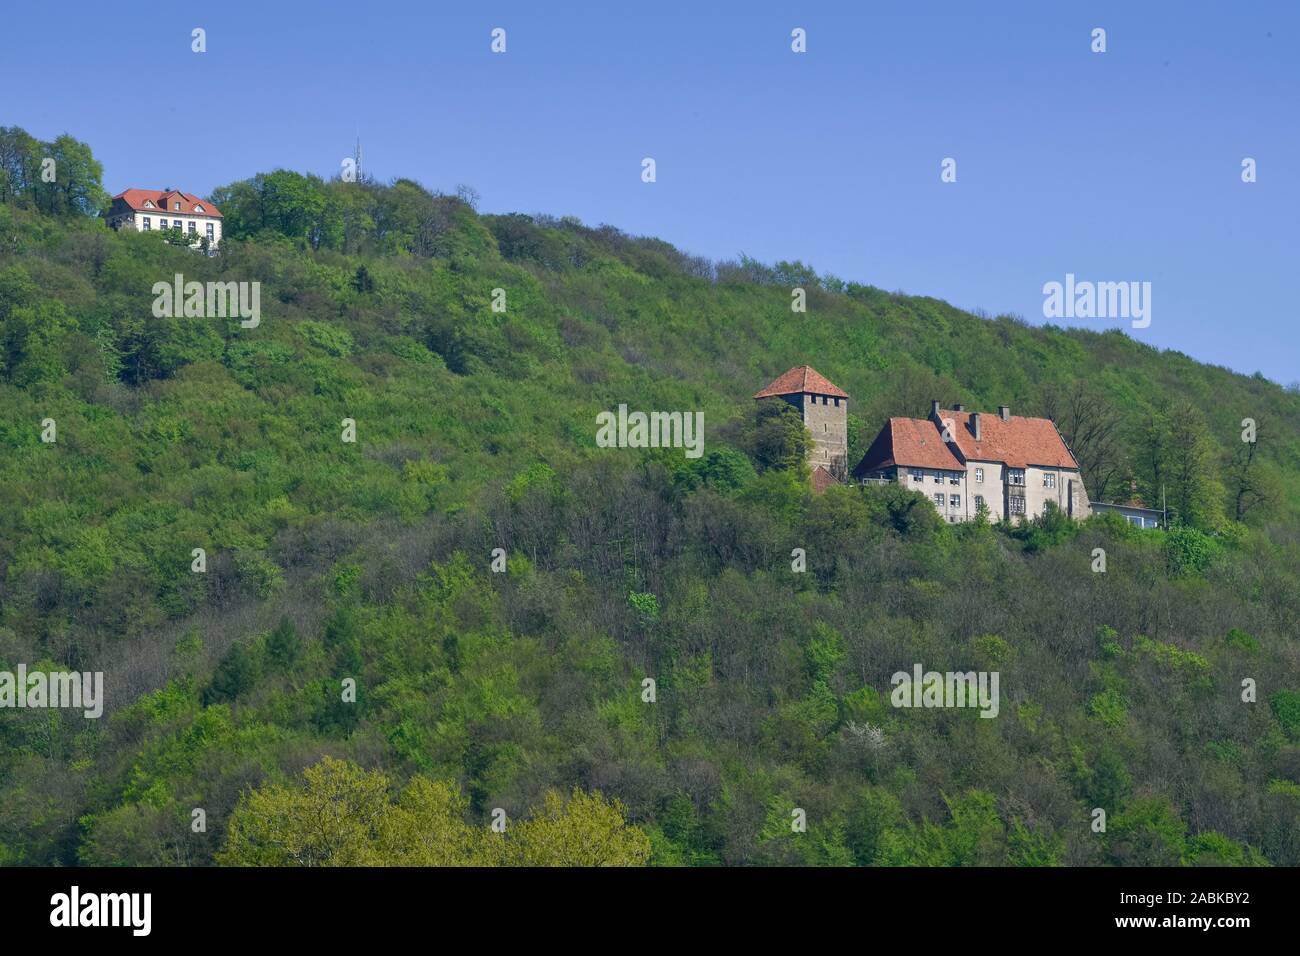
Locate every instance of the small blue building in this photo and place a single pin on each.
(1142, 517)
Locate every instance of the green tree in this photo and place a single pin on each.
(344, 815)
(283, 644)
(335, 819)
(584, 830)
(234, 676)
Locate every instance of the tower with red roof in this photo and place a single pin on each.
(824, 407)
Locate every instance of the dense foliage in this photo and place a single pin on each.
(477, 689)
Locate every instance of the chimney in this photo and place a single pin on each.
(975, 425)
(934, 408)
(959, 407)
(1004, 412)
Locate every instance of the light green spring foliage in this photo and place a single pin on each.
(344, 815)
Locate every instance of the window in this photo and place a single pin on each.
(1049, 480)
(198, 209)
(148, 204)
(1015, 476)
(938, 477)
(938, 499)
(176, 206)
(192, 227)
(146, 225)
(917, 476)
(954, 501)
(954, 477)
(211, 238)
(979, 501)
(979, 475)
(1017, 505)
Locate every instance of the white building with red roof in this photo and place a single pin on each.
(149, 210)
(1011, 464)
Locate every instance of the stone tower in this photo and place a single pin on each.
(825, 410)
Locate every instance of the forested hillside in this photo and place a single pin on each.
(328, 560)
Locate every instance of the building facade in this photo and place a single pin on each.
(1134, 514)
(149, 210)
(1012, 465)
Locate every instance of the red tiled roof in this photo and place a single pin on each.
(910, 442)
(822, 479)
(163, 200)
(918, 443)
(1018, 442)
(802, 379)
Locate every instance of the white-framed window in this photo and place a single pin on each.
(148, 204)
(1049, 480)
(979, 475)
(211, 237)
(917, 476)
(954, 478)
(145, 224)
(176, 205)
(979, 500)
(193, 227)
(1015, 476)
(938, 499)
(1017, 505)
(954, 501)
(198, 208)
(938, 477)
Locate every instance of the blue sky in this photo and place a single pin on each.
(1117, 166)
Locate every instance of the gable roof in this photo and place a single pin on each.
(912, 443)
(802, 380)
(163, 200)
(822, 479)
(1018, 442)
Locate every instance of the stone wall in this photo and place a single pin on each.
(827, 420)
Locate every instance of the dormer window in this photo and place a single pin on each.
(148, 204)
(198, 208)
(176, 206)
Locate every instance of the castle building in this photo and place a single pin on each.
(825, 411)
(1010, 464)
(160, 209)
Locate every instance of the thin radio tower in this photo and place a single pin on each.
(360, 175)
